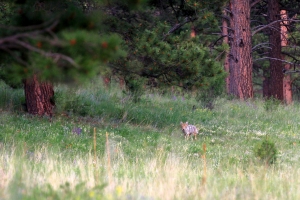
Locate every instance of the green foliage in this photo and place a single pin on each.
(135, 86)
(98, 104)
(271, 104)
(65, 191)
(165, 54)
(65, 45)
(11, 99)
(56, 40)
(266, 151)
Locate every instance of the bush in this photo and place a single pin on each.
(271, 104)
(266, 151)
(72, 103)
(135, 87)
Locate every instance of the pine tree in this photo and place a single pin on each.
(47, 41)
(269, 58)
(170, 44)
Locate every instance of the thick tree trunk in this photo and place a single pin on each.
(39, 97)
(276, 75)
(225, 40)
(240, 58)
(287, 81)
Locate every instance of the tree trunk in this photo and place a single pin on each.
(287, 81)
(39, 97)
(276, 75)
(266, 83)
(240, 59)
(225, 40)
(287, 86)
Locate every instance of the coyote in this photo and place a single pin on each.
(189, 130)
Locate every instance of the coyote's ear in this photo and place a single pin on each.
(180, 122)
(186, 122)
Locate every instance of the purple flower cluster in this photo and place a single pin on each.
(77, 130)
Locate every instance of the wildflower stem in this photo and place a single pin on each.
(108, 160)
(204, 175)
(95, 157)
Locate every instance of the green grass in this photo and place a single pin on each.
(148, 156)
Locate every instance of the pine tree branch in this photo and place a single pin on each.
(254, 3)
(263, 54)
(258, 46)
(270, 58)
(29, 28)
(56, 56)
(227, 10)
(221, 37)
(15, 40)
(176, 13)
(17, 58)
(272, 23)
(291, 56)
(179, 25)
(30, 34)
(225, 17)
(291, 72)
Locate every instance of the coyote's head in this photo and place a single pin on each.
(184, 125)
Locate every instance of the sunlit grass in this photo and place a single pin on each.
(165, 176)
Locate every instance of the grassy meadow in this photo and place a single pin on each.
(102, 145)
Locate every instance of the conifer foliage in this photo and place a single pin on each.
(170, 43)
(46, 41)
(56, 40)
(161, 43)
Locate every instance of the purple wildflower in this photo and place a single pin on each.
(77, 130)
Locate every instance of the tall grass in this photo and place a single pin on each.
(163, 176)
(11, 99)
(144, 155)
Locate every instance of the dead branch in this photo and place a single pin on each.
(261, 45)
(270, 58)
(29, 28)
(28, 34)
(179, 25)
(17, 41)
(254, 3)
(54, 56)
(262, 27)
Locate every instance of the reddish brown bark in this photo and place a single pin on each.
(266, 83)
(240, 59)
(193, 32)
(287, 86)
(276, 75)
(287, 81)
(39, 97)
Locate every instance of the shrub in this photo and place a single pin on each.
(135, 87)
(266, 151)
(271, 104)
